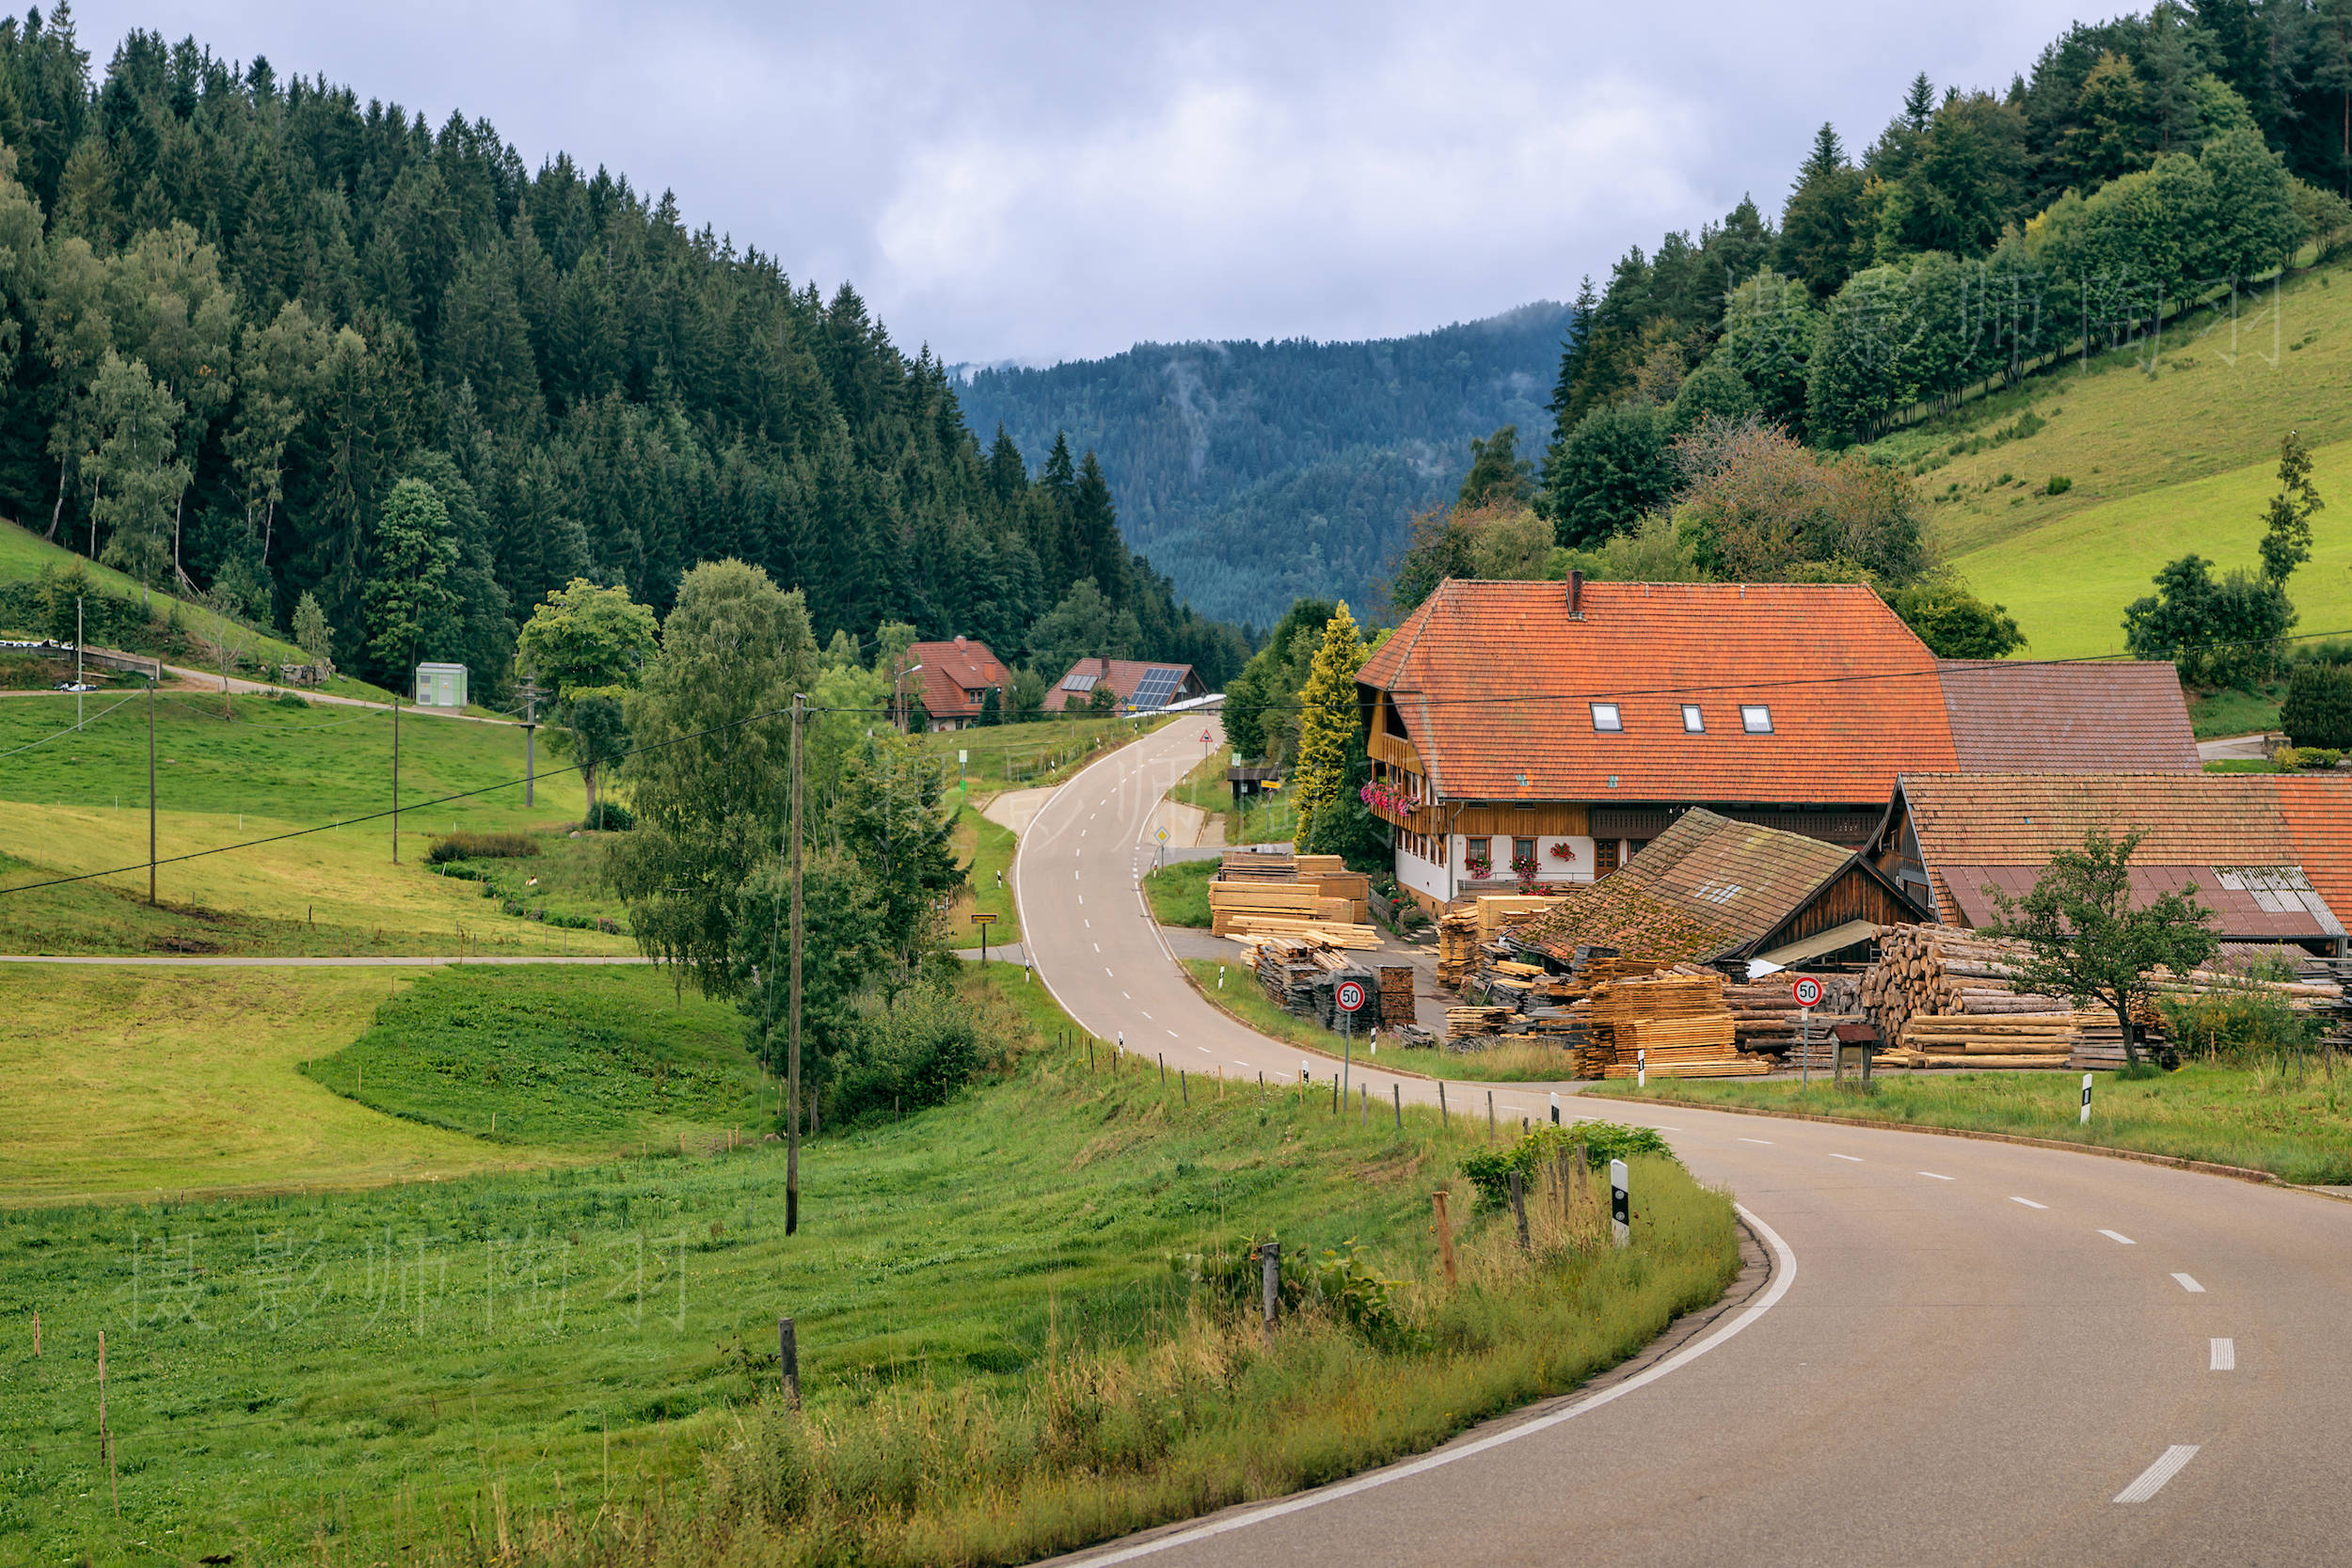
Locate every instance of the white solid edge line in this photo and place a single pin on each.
(2224, 1355)
(2118, 1236)
(1783, 1277)
(2152, 1480)
(2189, 1285)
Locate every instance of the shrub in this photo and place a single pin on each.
(2058, 486)
(2238, 1024)
(465, 845)
(919, 1052)
(2318, 706)
(1490, 1170)
(609, 817)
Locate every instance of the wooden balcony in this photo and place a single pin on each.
(1395, 751)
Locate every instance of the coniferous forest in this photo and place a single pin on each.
(236, 310)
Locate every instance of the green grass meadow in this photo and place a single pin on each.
(1016, 1326)
(1179, 893)
(2296, 1124)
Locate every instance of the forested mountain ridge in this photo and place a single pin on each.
(1254, 474)
(236, 310)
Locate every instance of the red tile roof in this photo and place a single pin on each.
(1494, 681)
(2318, 813)
(2094, 715)
(951, 672)
(1122, 675)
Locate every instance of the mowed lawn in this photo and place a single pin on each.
(2068, 580)
(152, 1080)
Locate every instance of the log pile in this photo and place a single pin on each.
(1766, 1012)
(1677, 1023)
(1301, 974)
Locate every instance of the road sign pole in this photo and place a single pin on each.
(1620, 1204)
(1805, 1047)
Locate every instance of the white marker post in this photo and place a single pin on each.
(1620, 1204)
(1641, 1068)
(1555, 1110)
(2086, 1099)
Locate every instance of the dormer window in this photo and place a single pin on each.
(1694, 722)
(1756, 719)
(1605, 718)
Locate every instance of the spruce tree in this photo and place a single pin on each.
(2287, 535)
(1328, 719)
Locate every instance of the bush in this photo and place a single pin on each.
(917, 1054)
(2318, 706)
(1490, 1170)
(609, 817)
(465, 845)
(2244, 1026)
(2058, 486)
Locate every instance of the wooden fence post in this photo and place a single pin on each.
(1518, 1207)
(1445, 1234)
(788, 1361)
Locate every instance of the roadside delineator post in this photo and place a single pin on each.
(1620, 1204)
(2086, 1099)
(1555, 1110)
(1641, 1068)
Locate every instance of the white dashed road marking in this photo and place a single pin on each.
(2189, 1285)
(2028, 1203)
(2152, 1480)
(1766, 1142)
(1934, 1175)
(1851, 1158)
(2224, 1355)
(2118, 1236)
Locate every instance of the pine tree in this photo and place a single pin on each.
(1328, 719)
(407, 592)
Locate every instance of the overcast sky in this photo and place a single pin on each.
(1045, 181)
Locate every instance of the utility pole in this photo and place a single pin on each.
(530, 734)
(77, 661)
(395, 777)
(151, 791)
(792, 1047)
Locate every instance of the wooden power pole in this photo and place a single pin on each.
(396, 777)
(792, 1047)
(151, 791)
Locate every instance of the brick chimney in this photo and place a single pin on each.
(1576, 594)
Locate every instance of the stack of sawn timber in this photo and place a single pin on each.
(1677, 1023)
(1468, 926)
(1301, 974)
(1254, 894)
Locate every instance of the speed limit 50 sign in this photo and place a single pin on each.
(1808, 992)
(1350, 996)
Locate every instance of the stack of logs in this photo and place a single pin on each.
(1947, 998)
(1767, 1014)
(1677, 1023)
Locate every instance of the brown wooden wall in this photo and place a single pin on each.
(1546, 818)
(1855, 896)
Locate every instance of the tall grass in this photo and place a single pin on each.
(1105, 1439)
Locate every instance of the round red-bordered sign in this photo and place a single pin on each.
(1350, 996)
(1808, 992)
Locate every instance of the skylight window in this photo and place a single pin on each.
(1694, 722)
(1756, 719)
(1605, 718)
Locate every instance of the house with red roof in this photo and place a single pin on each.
(1568, 723)
(954, 680)
(1136, 684)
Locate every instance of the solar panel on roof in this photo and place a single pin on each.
(1158, 685)
(1078, 683)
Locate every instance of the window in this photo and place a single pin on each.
(1475, 852)
(1522, 849)
(1694, 722)
(1605, 718)
(1756, 719)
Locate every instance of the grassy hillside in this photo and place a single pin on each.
(994, 1368)
(2164, 447)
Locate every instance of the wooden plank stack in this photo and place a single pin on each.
(1396, 993)
(1469, 925)
(1677, 1021)
(1254, 894)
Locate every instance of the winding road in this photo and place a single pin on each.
(1967, 1352)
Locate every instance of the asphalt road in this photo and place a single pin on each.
(1968, 1352)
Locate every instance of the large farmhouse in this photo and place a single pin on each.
(1568, 725)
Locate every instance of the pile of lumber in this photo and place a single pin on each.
(1989, 1039)
(1301, 974)
(1396, 993)
(1470, 927)
(1677, 1023)
(1254, 894)
(1767, 1016)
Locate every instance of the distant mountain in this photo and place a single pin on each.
(1251, 473)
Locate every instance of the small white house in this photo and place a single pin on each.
(441, 686)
